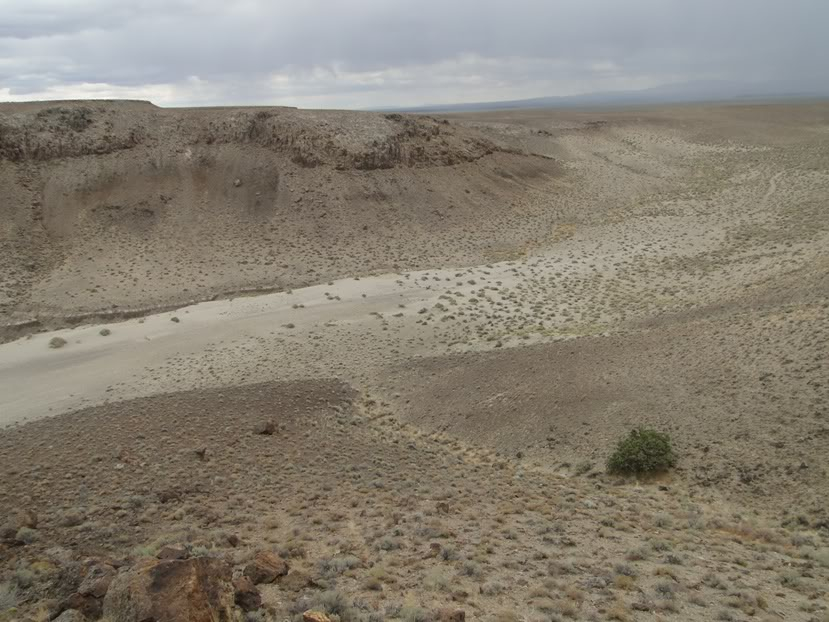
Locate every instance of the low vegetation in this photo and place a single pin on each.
(642, 452)
(57, 342)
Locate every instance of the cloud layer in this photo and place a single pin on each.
(371, 53)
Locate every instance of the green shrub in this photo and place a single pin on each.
(643, 451)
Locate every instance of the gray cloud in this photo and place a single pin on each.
(383, 52)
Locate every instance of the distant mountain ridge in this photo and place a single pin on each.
(676, 93)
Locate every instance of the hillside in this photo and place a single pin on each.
(449, 325)
(122, 206)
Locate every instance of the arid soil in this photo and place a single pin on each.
(381, 521)
(455, 322)
(124, 206)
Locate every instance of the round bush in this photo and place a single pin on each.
(643, 451)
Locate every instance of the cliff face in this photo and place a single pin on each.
(121, 206)
(345, 140)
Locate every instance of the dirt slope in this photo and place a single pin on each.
(121, 205)
(438, 434)
(749, 417)
(378, 521)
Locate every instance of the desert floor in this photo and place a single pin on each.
(448, 340)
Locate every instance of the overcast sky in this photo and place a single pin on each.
(373, 53)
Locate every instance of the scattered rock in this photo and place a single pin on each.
(197, 589)
(169, 494)
(8, 533)
(266, 567)
(61, 556)
(70, 615)
(173, 551)
(88, 606)
(451, 615)
(71, 519)
(315, 616)
(237, 182)
(267, 428)
(97, 581)
(246, 595)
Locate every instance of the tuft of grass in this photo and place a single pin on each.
(411, 613)
(24, 577)
(8, 596)
(643, 451)
(147, 550)
(333, 566)
(472, 568)
(436, 580)
(26, 535)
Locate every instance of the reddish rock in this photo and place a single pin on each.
(97, 580)
(173, 551)
(88, 606)
(315, 616)
(197, 589)
(451, 615)
(246, 594)
(266, 567)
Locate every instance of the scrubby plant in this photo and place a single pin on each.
(411, 613)
(57, 342)
(8, 596)
(643, 451)
(26, 535)
(333, 566)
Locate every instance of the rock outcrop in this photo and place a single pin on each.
(197, 589)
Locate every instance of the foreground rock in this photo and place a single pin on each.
(197, 589)
(266, 567)
(97, 581)
(246, 594)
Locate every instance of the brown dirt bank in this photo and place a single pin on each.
(121, 204)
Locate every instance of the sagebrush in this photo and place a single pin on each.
(642, 451)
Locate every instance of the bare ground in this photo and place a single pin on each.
(383, 520)
(466, 317)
